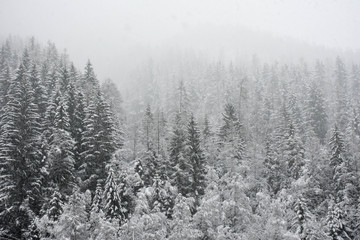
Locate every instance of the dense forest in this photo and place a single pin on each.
(193, 149)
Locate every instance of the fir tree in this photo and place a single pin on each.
(180, 167)
(19, 153)
(338, 164)
(294, 153)
(148, 125)
(301, 219)
(97, 142)
(39, 91)
(316, 112)
(111, 199)
(96, 204)
(206, 133)
(337, 227)
(55, 205)
(196, 158)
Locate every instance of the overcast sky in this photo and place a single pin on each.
(103, 30)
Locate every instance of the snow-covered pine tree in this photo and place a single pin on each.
(293, 153)
(96, 204)
(89, 83)
(78, 128)
(341, 89)
(61, 156)
(111, 200)
(19, 153)
(273, 168)
(196, 159)
(231, 144)
(150, 167)
(40, 98)
(338, 164)
(316, 112)
(55, 205)
(180, 167)
(98, 143)
(300, 222)
(148, 125)
(337, 228)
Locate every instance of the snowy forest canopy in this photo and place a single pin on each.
(197, 149)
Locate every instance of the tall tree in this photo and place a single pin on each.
(98, 143)
(180, 168)
(19, 153)
(197, 160)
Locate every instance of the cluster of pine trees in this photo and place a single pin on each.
(57, 136)
(196, 150)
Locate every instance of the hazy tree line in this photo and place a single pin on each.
(195, 150)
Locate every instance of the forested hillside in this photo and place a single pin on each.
(193, 149)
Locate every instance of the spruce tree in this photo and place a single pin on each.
(111, 199)
(148, 125)
(338, 164)
(19, 153)
(231, 145)
(300, 222)
(96, 204)
(294, 153)
(39, 91)
(197, 160)
(337, 228)
(55, 205)
(180, 167)
(98, 143)
(61, 156)
(316, 112)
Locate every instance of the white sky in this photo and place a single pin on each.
(104, 29)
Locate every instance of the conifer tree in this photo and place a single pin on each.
(180, 167)
(55, 205)
(294, 153)
(97, 142)
(78, 127)
(148, 125)
(151, 167)
(342, 101)
(196, 157)
(206, 133)
(273, 171)
(231, 145)
(89, 83)
(111, 199)
(300, 222)
(316, 112)
(96, 204)
(19, 153)
(39, 91)
(336, 224)
(338, 163)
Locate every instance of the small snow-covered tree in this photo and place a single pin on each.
(111, 200)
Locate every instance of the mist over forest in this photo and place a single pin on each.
(180, 120)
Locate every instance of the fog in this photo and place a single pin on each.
(118, 35)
